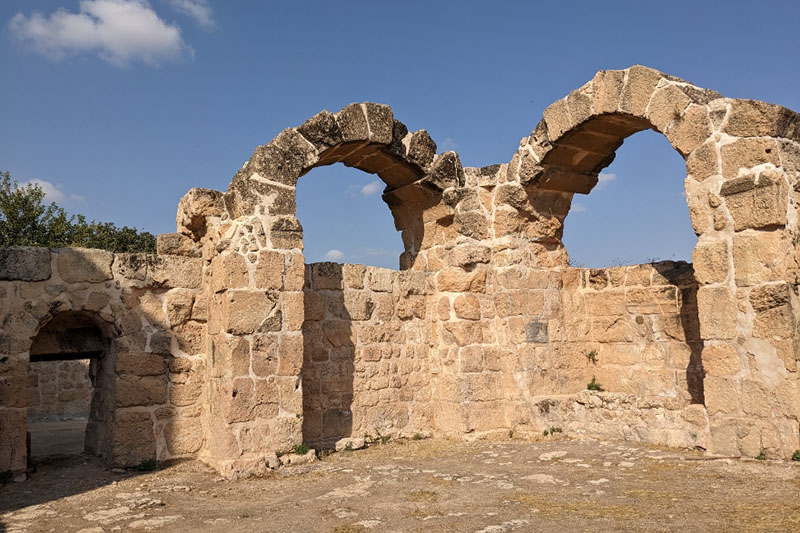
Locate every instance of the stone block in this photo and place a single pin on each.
(722, 395)
(756, 202)
(83, 264)
(759, 257)
(133, 439)
(180, 303)
(380, 279)
(638, 90)
(24, 263)
(380, 121)
(717, 311)
(176, 244)
(720, 360)
(666, 106)
(353, 123)
(467, 307)
(751, 118)
(354, 276)
(421, 149)
(135, 391)
(691, 130)
(269, 270)
(326, 275)
(141, 364)
(455, 280)
(703, 162)
(169, 271)
(251, 311)
(185, 394)
(229, 271)
(290, 359)
(747, 153)
(183, 437)
(710, 261)
(322, 130)
(607, 86)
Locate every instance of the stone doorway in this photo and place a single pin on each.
(69, 388)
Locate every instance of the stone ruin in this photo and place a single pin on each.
(228, 348)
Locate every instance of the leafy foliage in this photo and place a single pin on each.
(25, 220)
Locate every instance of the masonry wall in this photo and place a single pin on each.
(59, 389)
(146, 401)
(365, 357)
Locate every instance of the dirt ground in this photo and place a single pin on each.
(427, 485)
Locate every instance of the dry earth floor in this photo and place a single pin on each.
(427, 485)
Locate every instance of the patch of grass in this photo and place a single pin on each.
(300, 449)
(6, 477)
(552, 430)
(352, 528)
(148, 465)
(594, 385)
(349, 447)
(592, 357)
(796, 455)
(417, 436)
(421, 495)
(761, 455)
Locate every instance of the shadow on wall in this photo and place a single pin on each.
(328, 357)
(681, 275)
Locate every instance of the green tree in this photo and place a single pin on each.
(25, 220)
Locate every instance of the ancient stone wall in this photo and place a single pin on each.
(59, 389)
(144, 402)
(226, 346)
(365, 368)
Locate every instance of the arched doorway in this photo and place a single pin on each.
(70, 387)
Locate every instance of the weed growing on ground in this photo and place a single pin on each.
(761, 455)
(552, 430)
(594, 385)
(417, 436)
(300, 449)
(148, 465)
(592, 357)
(796, 455)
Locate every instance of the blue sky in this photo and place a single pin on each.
(121, 106)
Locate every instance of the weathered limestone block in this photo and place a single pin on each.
(639, 88)
(711, 262)
(746, 153)
(353, 123)
(607, 89)
(380, 122)
(176, 244)
(692, 129)
(666, 106)
(136, 391)
(322, 130)
(751, 118)
(84, 264)
(380, 279)
(175, 271)
(758, 257)
(183, 437)
(180, 303)
(756, 201)
(24, 263)
(133, 438)
(421, 149)
(286, 233)
(269, 270)
(459, 281)
(703, 162)
(196, 209)
(251, 311)
(718, 313)
(141, 364)
(720, 360)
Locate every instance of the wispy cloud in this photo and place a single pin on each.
(54, 193)
(371, 188)
(199, 10)
(448, 144)
(578, 207)
(334, 255)
(118, 31)
(604, 178)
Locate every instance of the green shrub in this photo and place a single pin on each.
(594, 385)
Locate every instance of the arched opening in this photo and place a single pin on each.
(70, 379)
(344, 218)
(637, 212)
(637, 308)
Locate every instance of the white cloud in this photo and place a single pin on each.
(448, 144)
(371, 188)
(334, 255)
(578, 207)
(199, 10)
(54, 193)
(118, 31)
(604, 178)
